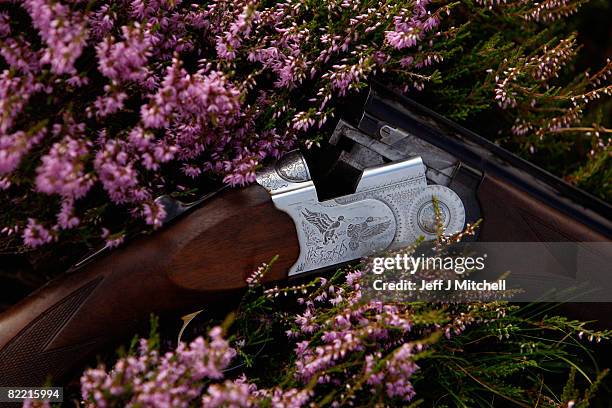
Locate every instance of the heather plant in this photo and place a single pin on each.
(113, 104)
(321, 343)
(106, 105)
(524, 55)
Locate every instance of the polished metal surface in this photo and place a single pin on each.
(374, 218)
(396, 144)
(422, 212)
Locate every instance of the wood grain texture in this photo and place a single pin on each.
(512, 215)
(201, 258)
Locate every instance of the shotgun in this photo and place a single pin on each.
(375, 194)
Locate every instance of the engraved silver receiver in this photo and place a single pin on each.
(390, 208)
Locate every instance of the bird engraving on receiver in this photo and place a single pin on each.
(326, 226)
(363, 231)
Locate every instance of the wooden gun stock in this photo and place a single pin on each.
(512, 215)
(198, 259)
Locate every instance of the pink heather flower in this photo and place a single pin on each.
(66, 218)
(353, 277)
(374, 378)
(399, 369)
(63, 31)
(306, 322)
(236, 394)
(28, 403)
(406, 62)
(174, 379)
(241, 394)
(301, 347)
(15, 92)
(267, 56)
(380, 58)
(14, 146)
(5, 183)
(230, 41)
(35, 235)
(352, 329)
(117, 173)
(109, 103)
(343, 76)
(316, 361)
(302, 121)
(241, 170)
(191, 170)
(125, 60)
(112, 240)
(431, 23)
(270, 143)
(63, 169)
(548, 10)
(154, 213)
(18, 54)
(290, 72)
(203, 99)
(141, 139)
(102, 21)
(145, 9)
(410, 29)
(292, 398)
(152, 152)
(5, 27)
(402, 39)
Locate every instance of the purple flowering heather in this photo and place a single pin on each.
(154, 213)
(62, 169)
(18, 54)
(116, 171)
(5, 28)
(150, 379)
(15, 91)
(354, 327)
(165, 85)
(125, 60)
(189, 104)
(111, 102)
(35, 234)
(410, 27)
(66, 218)
(239, 30)
(399, 368)
(14, 146)
(62, 29)
(229, 394)
(36, 404)
(112, 240)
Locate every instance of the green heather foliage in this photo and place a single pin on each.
(546, 108)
